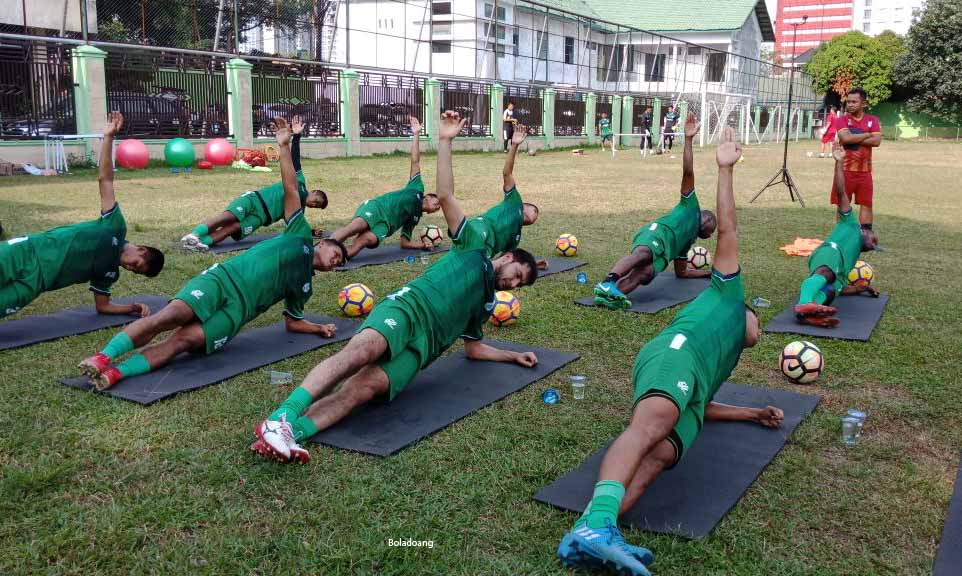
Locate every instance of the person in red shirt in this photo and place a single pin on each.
(828, 134)
(858, 133)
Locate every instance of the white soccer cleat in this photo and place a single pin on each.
(278, 442)
(189, 241)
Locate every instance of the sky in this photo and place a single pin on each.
(772, 8)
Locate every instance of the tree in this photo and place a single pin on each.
(892, 44)
(932, 63)
(849, 60)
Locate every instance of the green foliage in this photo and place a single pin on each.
(932, 63)
(849, 60)
(892, 44)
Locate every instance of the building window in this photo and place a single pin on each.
(693, 51)
(868, 15)
(440, 8)
(716, 67)
(569, 50)
(489, 10)
(514, 42)
(868, 3)
(655, 67)
(867, 27)
(542, 45)
(441, 47)
(442, 28)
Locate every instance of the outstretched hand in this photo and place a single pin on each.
(326, 330)
(527, 359)
(692, 126)
(728, 151)
(297, 125)
(770, 417)
(415, 125)
(520, 133)
(451, 125)
(282, 132)
(115, 120)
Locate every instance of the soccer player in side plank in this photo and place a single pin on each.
(675, 376)
(499, 229)
(92, 251)
(257, 208)
(213, 306)
(379, 218)
(403, 334)
(664, 240)
(830, 263)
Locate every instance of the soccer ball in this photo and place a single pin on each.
(355, 300)
(862, 274)
(699, 257)
(801, 362)
(506, 310)
(566, 245)
(432, 233)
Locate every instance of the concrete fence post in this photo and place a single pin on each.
(240, 103)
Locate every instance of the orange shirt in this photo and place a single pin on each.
(858, 158)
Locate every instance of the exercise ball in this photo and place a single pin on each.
(179, 153)
(219, 152)
(205, 165)
(132, 154)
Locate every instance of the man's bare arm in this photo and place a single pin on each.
(507, 173)
(105, 176)
(477, 350)
(844, 204)
(299, 326)
(292, 200)
(769, 416)
(415, 148)
(451, 125)
(682, 270)
(726, 250)
(692, 127)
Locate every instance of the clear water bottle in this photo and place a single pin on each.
(551, 396)
(759, 302)
(858, 415)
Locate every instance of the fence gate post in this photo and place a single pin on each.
(627, 119)
(350, 112)
(432, 111)
(89, 92)
(616, 119)
(809, 123)
(547, 116)
(656, 124)
(497, 109)
(591, 114)
(758, 119)
(240, 104)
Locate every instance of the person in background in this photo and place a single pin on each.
(668, 132)
(646, 119)
(828, 134)
(858, 133)
(509, 122)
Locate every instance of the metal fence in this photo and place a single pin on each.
(309, 91)
(167, 94)
(36, 90)
(471, 100)
(569, 114)
(387, 102)
(527, 107)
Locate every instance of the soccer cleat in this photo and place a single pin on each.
(608, 290)
(107, 378)
(813, 309)
(279, 443)
(823, 321)
(603, 548)
(189, 241)
(93, 366)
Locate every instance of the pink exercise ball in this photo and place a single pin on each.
(219, 152)
(132, 154)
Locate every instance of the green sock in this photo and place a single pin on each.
(295, 404)
(812, 290)
(118, 346)
(200, 230)
(304, 427)
(133, 366)
(604, 505)
(206, 239)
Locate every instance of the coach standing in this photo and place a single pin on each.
(858, 133)
(509, 122)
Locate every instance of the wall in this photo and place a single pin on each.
(898, 121)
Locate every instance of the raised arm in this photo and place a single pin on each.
(105, 177)
(297, 126)
(449, 129)
(726, 250)
(769, 416)
(478, 350)
(520, 133)
(292, 201)
(692, 127)
(415, 148)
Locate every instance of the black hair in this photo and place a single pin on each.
(340, 246)
(713, 217)
(323, 198)
(154, 259)
(860, 91)
(510, 103)
(525, 258)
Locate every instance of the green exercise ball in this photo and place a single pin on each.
(179, 153)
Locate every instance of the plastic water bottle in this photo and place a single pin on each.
(759, 302)
(858, 415)
(410, 259)
(582, 278)
(550, 396)
(277, 378)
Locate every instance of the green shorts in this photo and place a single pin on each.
(407, 346)
(670, 374)
(376, 222)
(652, 239)
(246, 208)
(608, 137)
(20, 279)
(217, 306)
(830, 258)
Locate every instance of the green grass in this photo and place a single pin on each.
(94, 485)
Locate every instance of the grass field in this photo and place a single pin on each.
(92, 485)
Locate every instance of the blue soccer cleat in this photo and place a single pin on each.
(607, 294)
(604, 548)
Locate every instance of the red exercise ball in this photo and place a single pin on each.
(132, 154)
(219, 152)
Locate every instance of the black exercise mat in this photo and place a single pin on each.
(34, 329)
(948, 561)
(250, 350)
(858, 316)
(690, 499)
(450, 389)
(559, 265)
(665, 291)
(386, 254)
(231, 245)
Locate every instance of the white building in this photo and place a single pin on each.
(876, 16)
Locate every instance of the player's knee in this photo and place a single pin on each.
(664, 455)
(825, 272)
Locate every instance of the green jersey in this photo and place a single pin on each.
(840, 250)
(275, 269)
(506, 219)
(711, 329)
(670, 236)
(398, 210)
(605, 125)
(272, 200)
(452, 299)
(85, 252)
(671, 118)
(474, 234)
